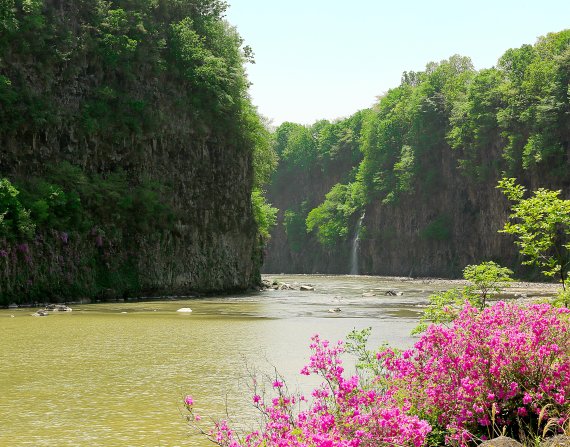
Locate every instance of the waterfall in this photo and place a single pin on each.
(355, 247)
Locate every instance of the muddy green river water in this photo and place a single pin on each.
(115, 374)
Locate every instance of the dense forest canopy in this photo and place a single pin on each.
(512, 118)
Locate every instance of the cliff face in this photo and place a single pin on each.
(114, 89)
(437, 234)
(432, 152)
(433, 233)
(423, 234)
(287, 191)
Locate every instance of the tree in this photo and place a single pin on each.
(541, 224)
(486, 278)
(264, 214)
(444, 307)
(15, 220)
(331, 218)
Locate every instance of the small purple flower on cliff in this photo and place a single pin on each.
(64, 237)
(3, 254)
(24, 248)
(188, 400)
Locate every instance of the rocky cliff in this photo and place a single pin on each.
(134, 116)
(432, 152)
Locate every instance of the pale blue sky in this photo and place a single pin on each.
(320, 59)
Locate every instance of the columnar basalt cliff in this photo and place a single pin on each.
(432, 152)
(126, 148)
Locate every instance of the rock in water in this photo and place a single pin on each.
(58, 308)
(184, 310)
(307, 288)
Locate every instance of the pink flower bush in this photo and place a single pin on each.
(342, 414)
(499, 367)
(490, 367)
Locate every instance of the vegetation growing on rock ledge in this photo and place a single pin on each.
(130, 150)
(442, 138)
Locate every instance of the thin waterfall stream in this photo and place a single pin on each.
(354, 270)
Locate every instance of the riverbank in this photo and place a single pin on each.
(516, 289)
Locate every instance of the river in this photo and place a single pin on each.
(115, 374)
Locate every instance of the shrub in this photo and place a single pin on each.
(437, 230)
(503, 369)
(498, 367)
(485, 279)
(541, 224)
(264, 214)
(342, 414)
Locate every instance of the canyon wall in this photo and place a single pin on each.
(125, 112)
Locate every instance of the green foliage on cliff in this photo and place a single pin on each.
(188, 40)
(541, 224)
(295, 228)
(265, 215)
(524, 101)
(449, 118)
(331, 219)
(15, 222)
(321, 145)
(67, 199)
(93, 95)
(438, 229)
(403, 142)
(85, 225)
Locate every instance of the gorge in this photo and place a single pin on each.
(423, 165)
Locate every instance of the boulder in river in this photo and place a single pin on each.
(58, 308)
(393, 293)
(41, 313)
(184, 310)
(307, 288)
